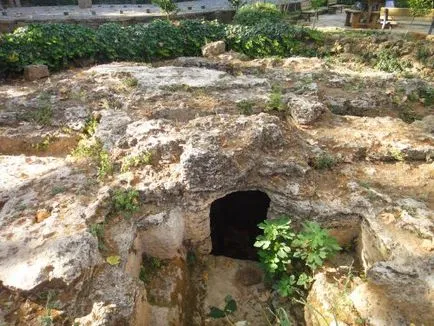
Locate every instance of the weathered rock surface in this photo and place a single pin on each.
(305, 110)
(202, 145)
(42, 236)
(34, 72)
(214, 49)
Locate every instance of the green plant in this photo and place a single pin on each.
(281, 317)
(229, 308)
(388, 61)
(245, 107)
(150, 267)
(408, 115)
(289, 258)
(43, 145)
(130, 82)
(60, 45)
(57, 190)
(144, 158)
(427, 93)
(314, 245)
(396, 154)
(55, 45)
(93, 150)
(105, 165)
(275, 100)
(274, 244)
(256, 13)
(90, 126)
(191, 258)
(236, 3)
(419, 7)
(125, 201)
(169, 7)
(273, 39)
(97, 230)
(324, 161)
(44, 112)
(49, 297)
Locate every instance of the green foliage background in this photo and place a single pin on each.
(252, 14)
(61, 45)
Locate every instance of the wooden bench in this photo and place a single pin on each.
(333, 6)
(307, 11)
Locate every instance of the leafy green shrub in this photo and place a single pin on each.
(275, 102)
(289, 258)
(419, 7)
(324, 161)
(197, 33)
(427, 94)
(129, 162)
(59, 45)
(55, 45)
(125, 202)
(169, 7)
(390, 62)
(97, 230)
(93, 150)
(158, 40)
(256, 13)
(245, 107)
(268, 39)
(236, 3)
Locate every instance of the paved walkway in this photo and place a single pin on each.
(336, 21)
(125, 12)
(44, 12)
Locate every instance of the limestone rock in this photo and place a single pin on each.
(163, 234)
(100, 315)
(111, 127)
(34, 72)
(49, 246)
(123, 297)
(407, 284)
(328, 302)
(214, 49)
(305, 110)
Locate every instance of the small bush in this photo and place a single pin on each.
(390, 62)
(125, 202)
(169, 7)
(93, 150)
(55, 45)
(289, 259)
(136, 161)
(268, 39)
(275, 101)
(97, 230)
(197, 33)
(324, 161)
(257, 13)
(59, 45)
(245, 107)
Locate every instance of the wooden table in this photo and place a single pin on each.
(353, 18)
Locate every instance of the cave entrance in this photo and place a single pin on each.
(234, 220)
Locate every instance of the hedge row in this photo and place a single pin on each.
(59, 45)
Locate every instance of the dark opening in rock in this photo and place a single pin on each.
(234, 220)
